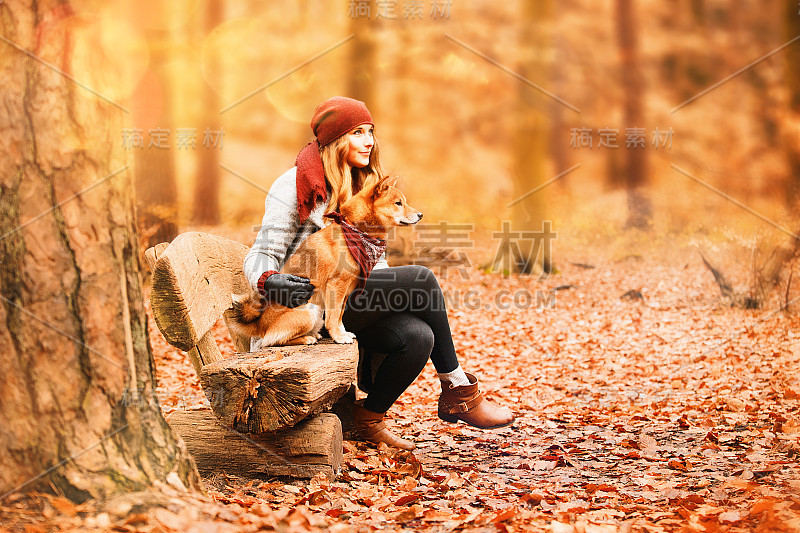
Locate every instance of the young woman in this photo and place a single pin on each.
(399, 319)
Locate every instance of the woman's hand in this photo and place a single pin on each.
(287, 290)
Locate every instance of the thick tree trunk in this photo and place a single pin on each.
(635, 165)
(206, 187)
(77, 405)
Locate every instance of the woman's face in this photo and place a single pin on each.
(361, 141)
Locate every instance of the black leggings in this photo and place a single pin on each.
(400, 321)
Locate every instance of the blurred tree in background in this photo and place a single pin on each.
(531, 143)
(154, 115)
(634, 168)
(363, 51)
(792, 139)
(207, 181)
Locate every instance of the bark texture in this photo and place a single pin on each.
(77, 407)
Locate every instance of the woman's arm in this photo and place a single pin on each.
(279, 228)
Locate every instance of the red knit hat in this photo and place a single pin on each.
(332, 119)
(335, 117)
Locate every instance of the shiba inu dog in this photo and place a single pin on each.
(336, 259)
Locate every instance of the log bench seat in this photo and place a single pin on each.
(268, 408)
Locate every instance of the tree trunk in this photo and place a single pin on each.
(362, 60)
(77, 406)
(792, 21)
(206, 188)
(156, 187)
(526, 247)
(559, 131)
(635, 165)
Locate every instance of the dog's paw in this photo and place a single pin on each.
(344, 338)
(309, 339)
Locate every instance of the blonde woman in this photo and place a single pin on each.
(399, 319)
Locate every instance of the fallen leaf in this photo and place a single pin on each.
(731, 517)
(647, 444)
(504, 515)
(561, 527)
(405, 500)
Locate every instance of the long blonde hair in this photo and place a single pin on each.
(344, 179)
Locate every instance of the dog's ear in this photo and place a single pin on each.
(383, 185)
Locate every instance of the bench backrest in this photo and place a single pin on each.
(193, 278)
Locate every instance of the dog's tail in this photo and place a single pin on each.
(245, 313)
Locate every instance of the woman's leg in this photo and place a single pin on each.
(406, 341)
(414, 290)
(405, 289)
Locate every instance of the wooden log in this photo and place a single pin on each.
(343, 408)
(240, 342)
(152, 254)
(277, 387)
(311, 447)
(192, 285)
(205, 351)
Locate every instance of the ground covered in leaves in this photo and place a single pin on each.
(644, 403)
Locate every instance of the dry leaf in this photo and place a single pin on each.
(64, 505)
(647, 444)
(560, 527)
(731, 517)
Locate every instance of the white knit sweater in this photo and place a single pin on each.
(281, 232)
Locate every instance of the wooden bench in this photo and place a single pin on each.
(268, 406)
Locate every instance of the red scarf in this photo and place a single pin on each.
(310, 180)
(365, 249)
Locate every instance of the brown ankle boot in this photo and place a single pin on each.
(468, 404)
(371, 427)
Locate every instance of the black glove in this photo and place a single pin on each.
(287, 290)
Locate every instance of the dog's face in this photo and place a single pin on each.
(381, 206)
